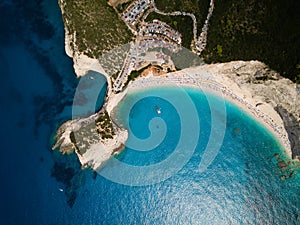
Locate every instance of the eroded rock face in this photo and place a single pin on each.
(268, 86)
(94, 139)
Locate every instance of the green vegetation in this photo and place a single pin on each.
(123, 6)
(198, 7)
(115, 75)
(92, 132)
(104, 126)
(183, 24)
(98, 28)
(134, 74)
(84, 137)
(249, 30)
(256, 30)
(220, 50)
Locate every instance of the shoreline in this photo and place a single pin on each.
(227, 80)
(193, 77)
(213, 79)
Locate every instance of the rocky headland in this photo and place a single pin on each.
(261, 91)
(252, 84)
(268, 88)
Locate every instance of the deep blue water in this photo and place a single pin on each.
(241, 185)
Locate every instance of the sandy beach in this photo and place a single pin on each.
(208, 78)
(202, 77)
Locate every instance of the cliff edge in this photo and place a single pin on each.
(268, 87)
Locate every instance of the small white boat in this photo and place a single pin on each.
(158, 110)
(60, 189)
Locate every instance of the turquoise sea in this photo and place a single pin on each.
(242, 185)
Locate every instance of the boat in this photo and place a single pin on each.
(158, 110)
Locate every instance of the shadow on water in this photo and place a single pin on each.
(292, 127)
(67, 170)
(42, 35)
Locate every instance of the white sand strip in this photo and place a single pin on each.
(202, 77)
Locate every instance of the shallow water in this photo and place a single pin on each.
(242, 185)
(38, 186)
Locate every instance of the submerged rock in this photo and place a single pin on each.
(281, 164)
